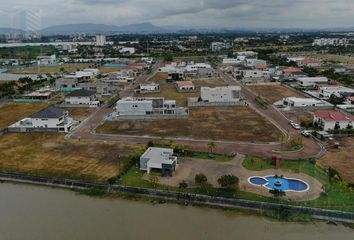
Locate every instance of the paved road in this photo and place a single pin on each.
(86, 131)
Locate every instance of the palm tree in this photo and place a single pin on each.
(283, 140)
(211, 146)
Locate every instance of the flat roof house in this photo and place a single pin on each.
(304, 102)
(159, 158)
(82, 97)
(311, 81)
(50, 119)
(221, 94)
(149, 88)
(330, 120)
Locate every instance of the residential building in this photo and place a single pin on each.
(221, 94)
(308, 82)
(231, 61)
(330, 120)
(47, 60)
(185, 86)
(147, 107)
(219, 46)
(247, 54)
(331, 42)
(149, 88)
(309, 63)
(82, 97)
(127, 50)
(100, 40)
(159, 158)
(252, 73)
(50, 119)
(338, 91)
(304, 102)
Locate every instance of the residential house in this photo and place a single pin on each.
(149, 88)
(185, 86)
(159, 158)
(304, 102)
(82, 97)
(50, 119)
(338, 91)
(330, 120)
(310, 82)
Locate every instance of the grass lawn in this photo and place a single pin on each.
(51, 155)
(222, 123)
(13, 112)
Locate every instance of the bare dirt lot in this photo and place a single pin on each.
(50, 155)
(334, 58)
(342, 160)
(13, 112)
(299, 115)
(274, 93)
(168, 89)
(223, 123)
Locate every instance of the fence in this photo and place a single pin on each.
(209, 200)
(152, 117)
(196, 103)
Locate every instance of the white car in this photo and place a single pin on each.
(296, 126)
(306, 133)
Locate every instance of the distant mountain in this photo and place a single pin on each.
(90, 28)
(10, 30)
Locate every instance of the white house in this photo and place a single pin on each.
(311, 81)
(252, 73)
(50, 119)
(147, 106)
(221, 94)
(47, 60)
(304, 102)
(231, 61)
(331, 42)
(330, 120)
(82, 97)
(218, 46)
(128, 50)
(196, 66)
(327, 92)
(148, 88)
(159, 158)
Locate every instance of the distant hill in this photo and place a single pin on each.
(90, 28)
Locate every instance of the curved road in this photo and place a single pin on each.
(312, 148)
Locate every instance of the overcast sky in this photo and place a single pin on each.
(192, 13)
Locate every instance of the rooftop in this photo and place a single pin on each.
(181, 84)
(333, 116)
(81, 93)
(49, 112)
(159, 155)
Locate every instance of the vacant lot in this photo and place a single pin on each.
(333, 58)
(70, 67)
(299, 116)
(168, 89)
(49, 154)
(341, 160)
(274, 93)
(13, 112)
(80, 114)
(224, 123)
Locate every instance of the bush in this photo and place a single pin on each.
(228, 181)
(200, 179)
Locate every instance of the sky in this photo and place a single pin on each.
(188, 13)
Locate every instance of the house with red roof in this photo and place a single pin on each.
(309, 63)
(330, 120)
(185, 86)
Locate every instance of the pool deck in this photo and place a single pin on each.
(188, 168)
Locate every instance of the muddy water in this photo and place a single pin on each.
(29, 212)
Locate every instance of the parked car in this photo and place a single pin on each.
(296, 126)
(305, 133)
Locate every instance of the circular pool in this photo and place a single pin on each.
(280, 183)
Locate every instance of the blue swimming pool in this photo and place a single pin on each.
(280, 183)
(115, 65)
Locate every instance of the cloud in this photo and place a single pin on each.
(221, 13)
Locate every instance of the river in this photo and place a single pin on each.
(31, 212)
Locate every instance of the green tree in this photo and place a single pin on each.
(154, 180)
(200, 179)
(183, 185)
(167, 57)
(228, 181)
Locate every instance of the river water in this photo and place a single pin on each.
(30, 212)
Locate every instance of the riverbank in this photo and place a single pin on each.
(322, 214)
(45, 213)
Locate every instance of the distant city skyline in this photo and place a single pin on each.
(185, 13)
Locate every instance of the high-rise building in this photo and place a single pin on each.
(100, 40)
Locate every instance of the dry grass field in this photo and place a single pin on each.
(80, 114)
(300, 115)
(69, 67)
(274, 93)
(334, 58)
(50, 155)
(13, 112)
(342, 160)
(223, 123)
